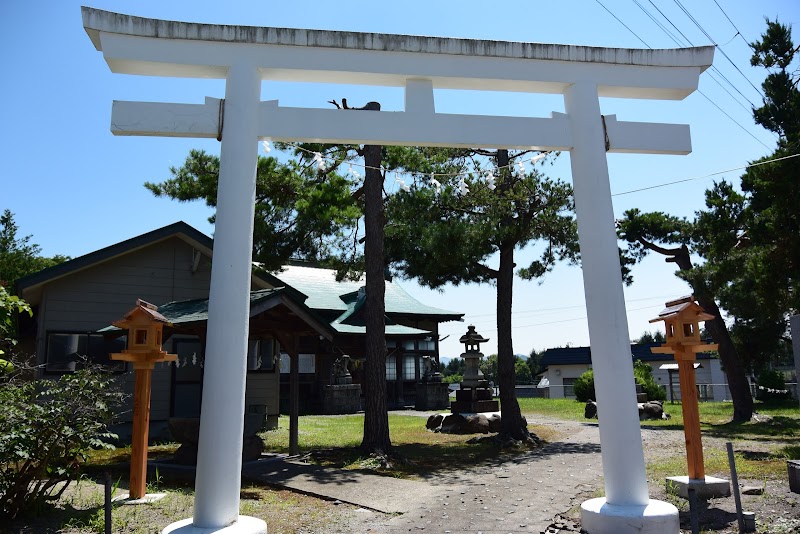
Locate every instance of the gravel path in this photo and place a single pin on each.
(522, 494)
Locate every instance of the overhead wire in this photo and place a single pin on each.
(738, 32)
(699, 91)
(688, 42)
(717, 173)
(696, 23)
(559, 308)
(626, 26)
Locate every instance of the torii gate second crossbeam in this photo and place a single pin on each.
(245, 56)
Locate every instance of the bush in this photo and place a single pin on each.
(643, 374)
(48, 426)
(452, 379)
(771, 385)
(584, 387)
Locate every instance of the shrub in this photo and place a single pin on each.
(584, 387)
(643, 374)
(452, 379)
(48, 426)
(771, 385)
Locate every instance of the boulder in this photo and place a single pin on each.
(459, 424)
(495, 423)
(476, 424)
(434, 421)
(652, 410)
(590, 411)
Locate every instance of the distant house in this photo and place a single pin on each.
(564, 365)
(75, 302)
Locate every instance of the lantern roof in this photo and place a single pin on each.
(683, 306)
(472, 337)
(142, 308)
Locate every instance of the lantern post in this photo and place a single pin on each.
(145, 329)
(681, 320)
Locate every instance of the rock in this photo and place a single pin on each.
(451, 423)
(459, 424)
(185, 455)
(753, 490)
(252, 447)
(185, 429)
(476, 424)
(590, 411)
(434, 421)
(495, 423)
(651, 410)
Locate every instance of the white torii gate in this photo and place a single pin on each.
(245, 56)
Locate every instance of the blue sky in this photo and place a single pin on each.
(77, 188)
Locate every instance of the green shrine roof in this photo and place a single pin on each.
(325, 293)
(185, 312)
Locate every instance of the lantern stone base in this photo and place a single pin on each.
(432, 396)
(244, 525)
(657, 517)
(708, 488)
(341, 398)
(474, 400)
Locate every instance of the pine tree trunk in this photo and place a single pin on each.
(376, 416)
(514, 426)
(731, 363)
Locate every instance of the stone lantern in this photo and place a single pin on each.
(681, 319)
(475, 396)
(145, 329)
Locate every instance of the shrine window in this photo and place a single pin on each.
(69, 351)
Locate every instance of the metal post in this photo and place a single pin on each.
(735, 482)
(694, 513)
(107, 502)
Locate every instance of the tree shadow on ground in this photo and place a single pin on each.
(782, 427)
(710, 518)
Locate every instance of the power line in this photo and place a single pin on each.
(582, 318)
(718, 47)
(626, 26)
(738, 32)
(670, 21)
(745, 130)
(690, 43)
(543, 310)
(705, 175)
(648, 46)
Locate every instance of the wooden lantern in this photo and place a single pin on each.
(145, 330)
(681, 318)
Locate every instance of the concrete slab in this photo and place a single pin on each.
(709, 488)
(148, 498)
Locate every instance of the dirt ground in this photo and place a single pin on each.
(776, 509)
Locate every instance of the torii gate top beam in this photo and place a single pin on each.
(136, 45)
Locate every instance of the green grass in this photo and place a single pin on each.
(335, 441)
(785, 414)
(80, 511)
(569, 409)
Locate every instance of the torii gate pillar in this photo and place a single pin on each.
(244, 56)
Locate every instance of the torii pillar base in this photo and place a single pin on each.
(657, 517)
(244, 525)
